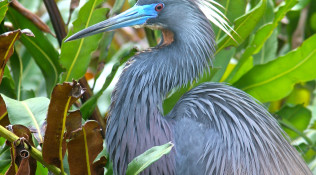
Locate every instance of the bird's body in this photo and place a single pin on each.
(215, 128)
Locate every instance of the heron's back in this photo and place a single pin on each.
(220, 130)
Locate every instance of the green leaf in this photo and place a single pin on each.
(43, 52)
(122, 55)
(232, 10)
(268, 51)
(30, 113)
(117, 6)
(300, 5)
(5, 157)
(7, 84)
(221, 62)
(298, 116)
(260, 38)
(41, 169)
(75, 55)
(3, 9)
(243, 26)
(17, 69)
(142, 161)
(275, 80)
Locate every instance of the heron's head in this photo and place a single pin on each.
(160, 14)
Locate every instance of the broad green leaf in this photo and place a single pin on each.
(75, 55)
(30, 113)
(43, 52)
(144, 160)
(3, 9)
(275, 80)
(5, 157)
(243, 26)
(268, 50)
(32, 78)
(232, 9)
(268, 16)
(221, 62)
(298, 116)
(260, 37)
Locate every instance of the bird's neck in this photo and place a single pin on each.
(136, 116)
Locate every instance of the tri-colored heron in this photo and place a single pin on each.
(216, 129)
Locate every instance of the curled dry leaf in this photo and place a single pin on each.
(7, 47)
(31, 16)
(62, 98)
(21, 154)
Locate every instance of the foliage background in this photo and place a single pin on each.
(273, 58)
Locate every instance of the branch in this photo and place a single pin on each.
(36, 154)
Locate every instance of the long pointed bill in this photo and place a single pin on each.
(137, 15)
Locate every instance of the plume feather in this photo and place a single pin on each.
(208, 7)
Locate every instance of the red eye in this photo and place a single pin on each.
(159, 7)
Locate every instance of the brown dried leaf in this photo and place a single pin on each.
(7, 47)
(21, 152)
(31, 16)
(84, 146)
(4, 120)
(13, 167)
(99, 165)
(24, 168)
(54, 146)
(21, 161)
(73, 122)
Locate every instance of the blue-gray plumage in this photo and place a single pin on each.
(216, 129)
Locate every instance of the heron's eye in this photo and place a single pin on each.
(159, 7)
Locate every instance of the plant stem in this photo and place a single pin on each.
(36, 154)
